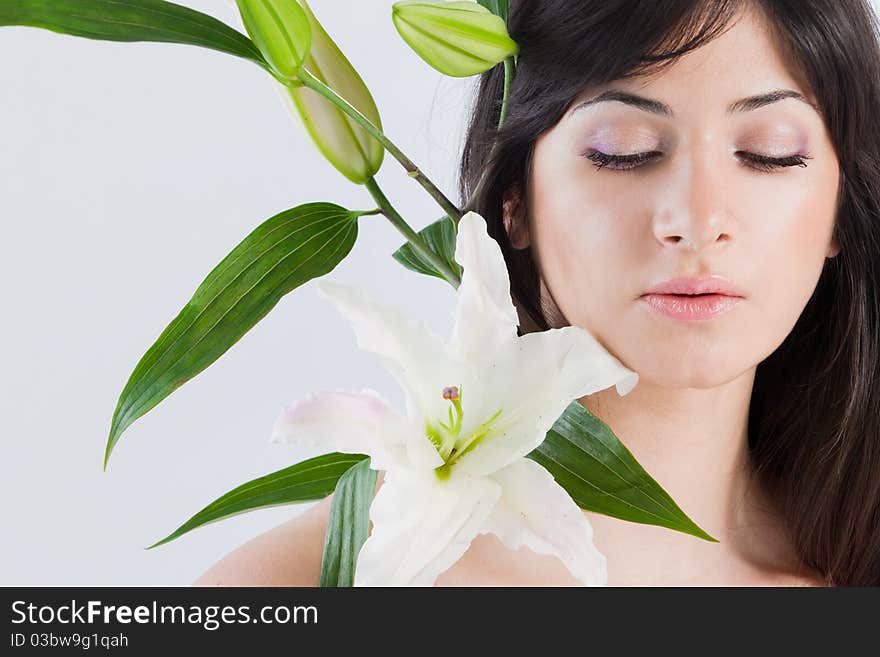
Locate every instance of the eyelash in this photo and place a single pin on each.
(633, 161)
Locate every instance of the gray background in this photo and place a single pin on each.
(127, 171)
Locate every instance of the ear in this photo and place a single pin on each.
(514, 219)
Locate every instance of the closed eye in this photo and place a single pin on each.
(635, 160)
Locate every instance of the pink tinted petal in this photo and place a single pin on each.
(345, 421)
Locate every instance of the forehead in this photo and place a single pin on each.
(729, 72)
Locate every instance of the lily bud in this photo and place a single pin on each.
(281, 31)
(458, 39)
(348, 147)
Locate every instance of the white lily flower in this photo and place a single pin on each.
(455, 465)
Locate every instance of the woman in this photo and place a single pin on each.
(730, 142)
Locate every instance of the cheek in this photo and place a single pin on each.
(790, 247)
(586, 244)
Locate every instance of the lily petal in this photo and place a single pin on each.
(534, 378)
(344, 421)
(418, 358)
(536, 512)
(485, 312)
(422, 527)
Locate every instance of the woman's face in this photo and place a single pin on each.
(696, 207)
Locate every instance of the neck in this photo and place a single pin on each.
(694, 443)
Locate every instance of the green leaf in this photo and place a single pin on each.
(497, 7)
(601, 475)
(348, 525)
(440, 237)
(130, 20)
(284, 252)
(312, 479)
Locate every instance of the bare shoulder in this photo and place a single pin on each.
(287, 555)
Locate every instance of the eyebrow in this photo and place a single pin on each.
(662, 109)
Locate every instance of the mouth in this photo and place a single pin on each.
(691, 307)
(704, 294)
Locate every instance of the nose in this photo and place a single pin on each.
(694, 212)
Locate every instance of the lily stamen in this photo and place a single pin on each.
(445, 446)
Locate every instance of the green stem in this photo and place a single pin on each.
(313, 83)
(509, 73)
(508, 80)
(417, 241)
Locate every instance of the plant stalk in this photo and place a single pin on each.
(509, 74)
(417, 241)
(313, 83)
(509, 71)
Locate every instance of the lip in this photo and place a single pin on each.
(718, 296)
(691, 308)
(705, 285)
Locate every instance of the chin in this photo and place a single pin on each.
(685, 363)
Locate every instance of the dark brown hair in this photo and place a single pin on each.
(814, 419)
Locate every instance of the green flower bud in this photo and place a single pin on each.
(458, 39)
(348, 147)
(280, 29)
